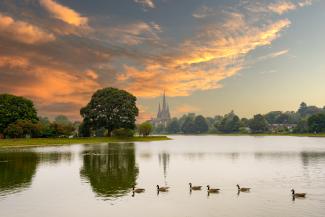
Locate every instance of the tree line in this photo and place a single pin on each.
(113, 112)
(110, 112)
(307, 119)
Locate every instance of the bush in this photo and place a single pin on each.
(123, 133)
(145, 129)
(23, 128)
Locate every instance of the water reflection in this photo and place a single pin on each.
(17, 168)
(164, 161)
(16, 171)
(312, 157)
(110, 169)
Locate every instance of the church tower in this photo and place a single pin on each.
(163, 114)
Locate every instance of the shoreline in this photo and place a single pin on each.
(252, 134)
(43, 142)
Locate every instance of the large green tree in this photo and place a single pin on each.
(111, 108)
(13, 108)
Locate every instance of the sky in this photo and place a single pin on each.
(209, 56)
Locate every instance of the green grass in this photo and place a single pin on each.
(21, 143)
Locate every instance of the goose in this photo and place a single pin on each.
(212, 190)
(243, 189)
(137, 190)
(162, 189)
(194, 188)
(294, 194)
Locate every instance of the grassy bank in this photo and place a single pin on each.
(20, 143)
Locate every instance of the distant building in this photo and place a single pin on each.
(163, 114)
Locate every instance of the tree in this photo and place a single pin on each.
(159, 129)
(273, 116)
(145, 129)
(316, 123)
(258, 124)
(302, 126)
(230, 123)
(14, 108)
(61, 129)
(23, 128)
(61, 119)
(189, 127)
(305, 110)
(84, 129)
(173, 126)
(201, 125)
(111, 108)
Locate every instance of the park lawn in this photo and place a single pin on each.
(21, 143)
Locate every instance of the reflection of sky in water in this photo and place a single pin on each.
(86, 180)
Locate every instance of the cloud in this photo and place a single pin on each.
(203, 12)
(305, 3)
(22, 31)
(91, 74)
(64, 13)
(215, 53)
(45, 85)
(282, 7)
(134, 33)
(146, 3)
(274, 54)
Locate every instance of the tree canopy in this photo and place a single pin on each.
(14, 108)
(111, 108)
(145, 129)
(316, 123)
(258, 124)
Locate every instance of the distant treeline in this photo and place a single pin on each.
(112, 112)
(307, 119)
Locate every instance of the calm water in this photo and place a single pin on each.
(96, 180)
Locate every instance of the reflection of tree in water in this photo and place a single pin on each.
(54, 157)
(312, 157)
(111, 169)
(164, 160)
(16, 170)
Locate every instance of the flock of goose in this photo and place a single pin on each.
(209, 190)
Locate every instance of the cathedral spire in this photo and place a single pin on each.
(159, 111)
(164, 106)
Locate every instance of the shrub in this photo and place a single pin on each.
(145, 129)
(123, 133)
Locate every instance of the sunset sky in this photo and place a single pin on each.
(210, 56)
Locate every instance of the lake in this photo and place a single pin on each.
(97, 180)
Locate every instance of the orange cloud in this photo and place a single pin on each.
(201, 63)
(282, 7)
(91, 74)
(48, 85)
(64, 13)
(23, 31)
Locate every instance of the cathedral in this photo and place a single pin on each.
(163, 114)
